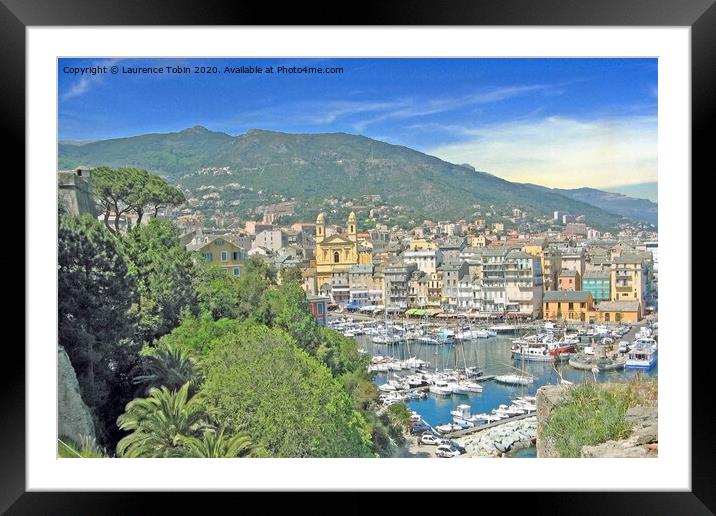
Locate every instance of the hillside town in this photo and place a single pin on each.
(493, 267)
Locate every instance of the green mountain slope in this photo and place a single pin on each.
(312, 167)
(642, 210)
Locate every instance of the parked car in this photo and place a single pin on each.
(446, 451)
(429, 439)
(453, 445)
(419, 427)
(460, 449)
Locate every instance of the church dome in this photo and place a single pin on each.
(352, 216)
(321, 218)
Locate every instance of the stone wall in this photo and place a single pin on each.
(74, 417)
(496, 441)
(548, 397)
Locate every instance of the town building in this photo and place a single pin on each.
(319, 308)
(492, 281)
(396, 279)
(628, 279)
(336, 254)
(272, 239)
(363, 288)
(426, 261)
(523, 284)
(574, 260)
(568, 279)
(451, 248)
(576, 228)
(220, 251)
(253, 227)
(418, 289)
(435, 289)
(551, 266)
(598, 283)
(453, 272)
(567, 305)
(618, 311)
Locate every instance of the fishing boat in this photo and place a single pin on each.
(532, 352)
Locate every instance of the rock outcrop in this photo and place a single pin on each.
(74, 417)
(642, 443)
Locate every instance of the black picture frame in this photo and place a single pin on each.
(16, 15)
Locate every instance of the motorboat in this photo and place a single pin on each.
(643, 354)
(533, 352)
(515, 379)
(441, 388)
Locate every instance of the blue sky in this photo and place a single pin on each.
(557, 122)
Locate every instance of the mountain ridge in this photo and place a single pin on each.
(313, 166)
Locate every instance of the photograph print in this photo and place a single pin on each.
(357, 257)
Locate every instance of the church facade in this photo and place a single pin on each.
(335, 255)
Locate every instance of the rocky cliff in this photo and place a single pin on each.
(74, 417)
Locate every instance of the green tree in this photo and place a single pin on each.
(291, 274)
(113, 189)
(164, 272)
(94, 298)
(286, 307)
(162, 194)
(218, 292)
(341, 354)
(199, 335)
(170, 366)
(258, 380)
(213, 445)
(123, 190)
(160, 422)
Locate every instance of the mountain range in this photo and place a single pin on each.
(313, 167)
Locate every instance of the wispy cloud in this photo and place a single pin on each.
(562, 152)
(413, 108)
(86, 82)
(360, 114)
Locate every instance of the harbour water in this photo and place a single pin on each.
(491, 355)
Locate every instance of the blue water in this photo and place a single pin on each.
(493, 356)
(524, 453)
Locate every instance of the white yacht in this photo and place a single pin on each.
(643, 354)
(441, 387)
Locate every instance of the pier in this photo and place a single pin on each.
(479, 428)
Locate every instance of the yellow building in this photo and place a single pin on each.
(478, 241)
(567, 305)
(336, 254)
(618, 311)
(628, 281)
(421, 244)
(221, 252)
